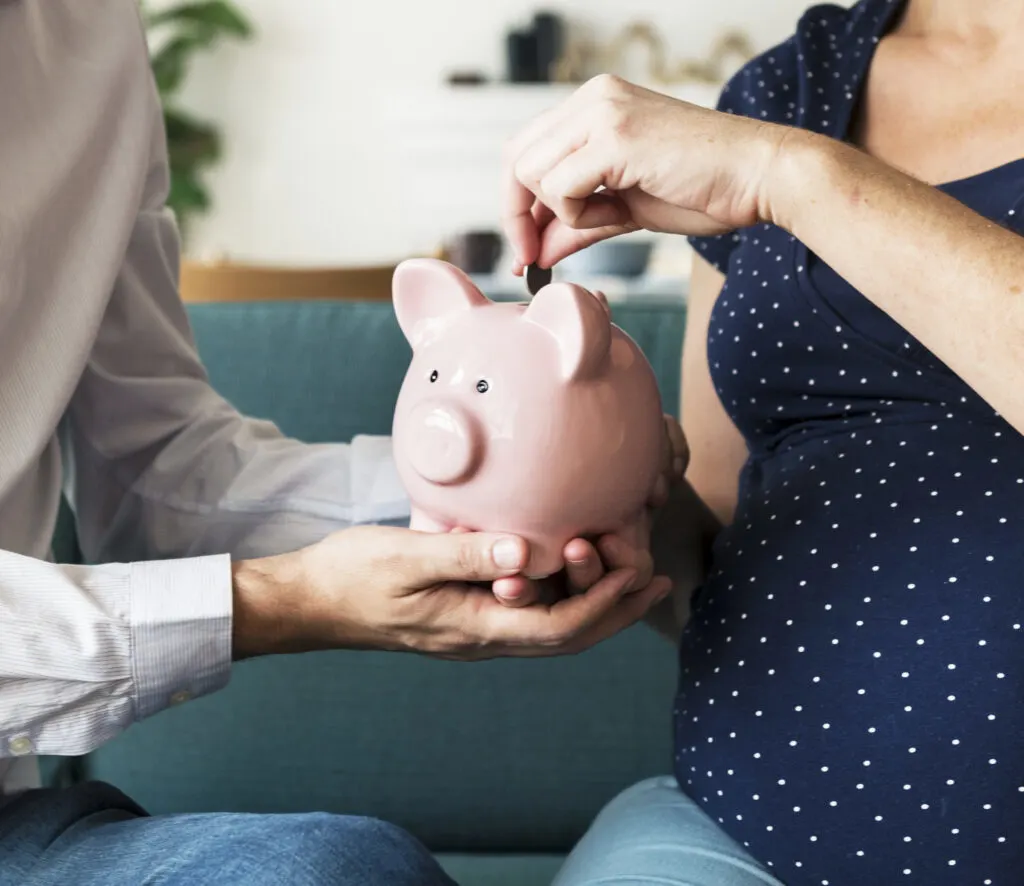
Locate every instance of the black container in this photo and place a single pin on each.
(521, 47)
(476, 252)
(549, 32)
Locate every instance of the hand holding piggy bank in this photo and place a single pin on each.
(541, 420)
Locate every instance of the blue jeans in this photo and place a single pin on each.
(652, 834)
(93, 835)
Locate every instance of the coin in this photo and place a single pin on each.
(537, 278)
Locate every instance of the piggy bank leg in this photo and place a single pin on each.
(423, 523)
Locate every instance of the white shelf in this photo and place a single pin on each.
(494, 107)
(443, 145)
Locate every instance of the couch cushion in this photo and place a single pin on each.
(512, 756)
(502, 870)
(326, 371)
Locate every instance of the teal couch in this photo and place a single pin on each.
(498, 767)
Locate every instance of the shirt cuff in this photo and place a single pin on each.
(180, 620)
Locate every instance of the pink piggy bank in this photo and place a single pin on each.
(542, 420)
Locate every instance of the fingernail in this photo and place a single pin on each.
(509, 594)
(507, 554)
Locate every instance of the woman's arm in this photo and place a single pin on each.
(697, 509)
(949, 276)
(615, 157)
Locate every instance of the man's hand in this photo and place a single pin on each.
(378, 587)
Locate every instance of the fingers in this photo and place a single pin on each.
(559, 240)
(542, 217)
(516, 591)
(616, 554)
(583, 568)
(675, 458)
(540, 630)
(659, 495)
(429, 558)
(583, 565)
(567, 174)
(680, 448)
(571, 190)
(610, 609)
(626, 613)
(545, 154)
(551, 162)
(518, 222)
(570, 625)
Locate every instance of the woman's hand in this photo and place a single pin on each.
(674, 463)
(614, 158)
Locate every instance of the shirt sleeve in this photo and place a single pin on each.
(88, 650)
(167, 483)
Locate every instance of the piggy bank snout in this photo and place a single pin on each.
(444, 442)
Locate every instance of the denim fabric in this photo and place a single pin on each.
(93, 835)
(654, 835)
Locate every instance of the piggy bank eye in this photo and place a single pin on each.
(482, 386)
(433, 376)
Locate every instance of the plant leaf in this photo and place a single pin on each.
(170, 62)
(187, 194)
(190, 142)
(221, 17)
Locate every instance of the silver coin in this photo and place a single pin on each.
(537, 278)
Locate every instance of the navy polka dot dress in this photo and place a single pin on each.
(851, 701)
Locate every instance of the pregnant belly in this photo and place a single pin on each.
(851, 702)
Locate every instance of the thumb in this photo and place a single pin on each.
(560, 241)
(465, 556)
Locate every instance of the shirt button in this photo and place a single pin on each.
(181, 696)
(20, 746)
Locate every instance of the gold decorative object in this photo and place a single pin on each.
(572, 67)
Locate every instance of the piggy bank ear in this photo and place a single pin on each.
(580, 324)
(427, 292)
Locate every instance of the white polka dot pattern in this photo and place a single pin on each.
(850, 705)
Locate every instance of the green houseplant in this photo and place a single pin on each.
(177, 32)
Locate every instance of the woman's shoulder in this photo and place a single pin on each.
(809, 80)
(817, 65)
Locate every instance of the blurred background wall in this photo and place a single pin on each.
(343, 141)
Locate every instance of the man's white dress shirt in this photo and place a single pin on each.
(101, 391)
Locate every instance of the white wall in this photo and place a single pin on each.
(318, 170)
